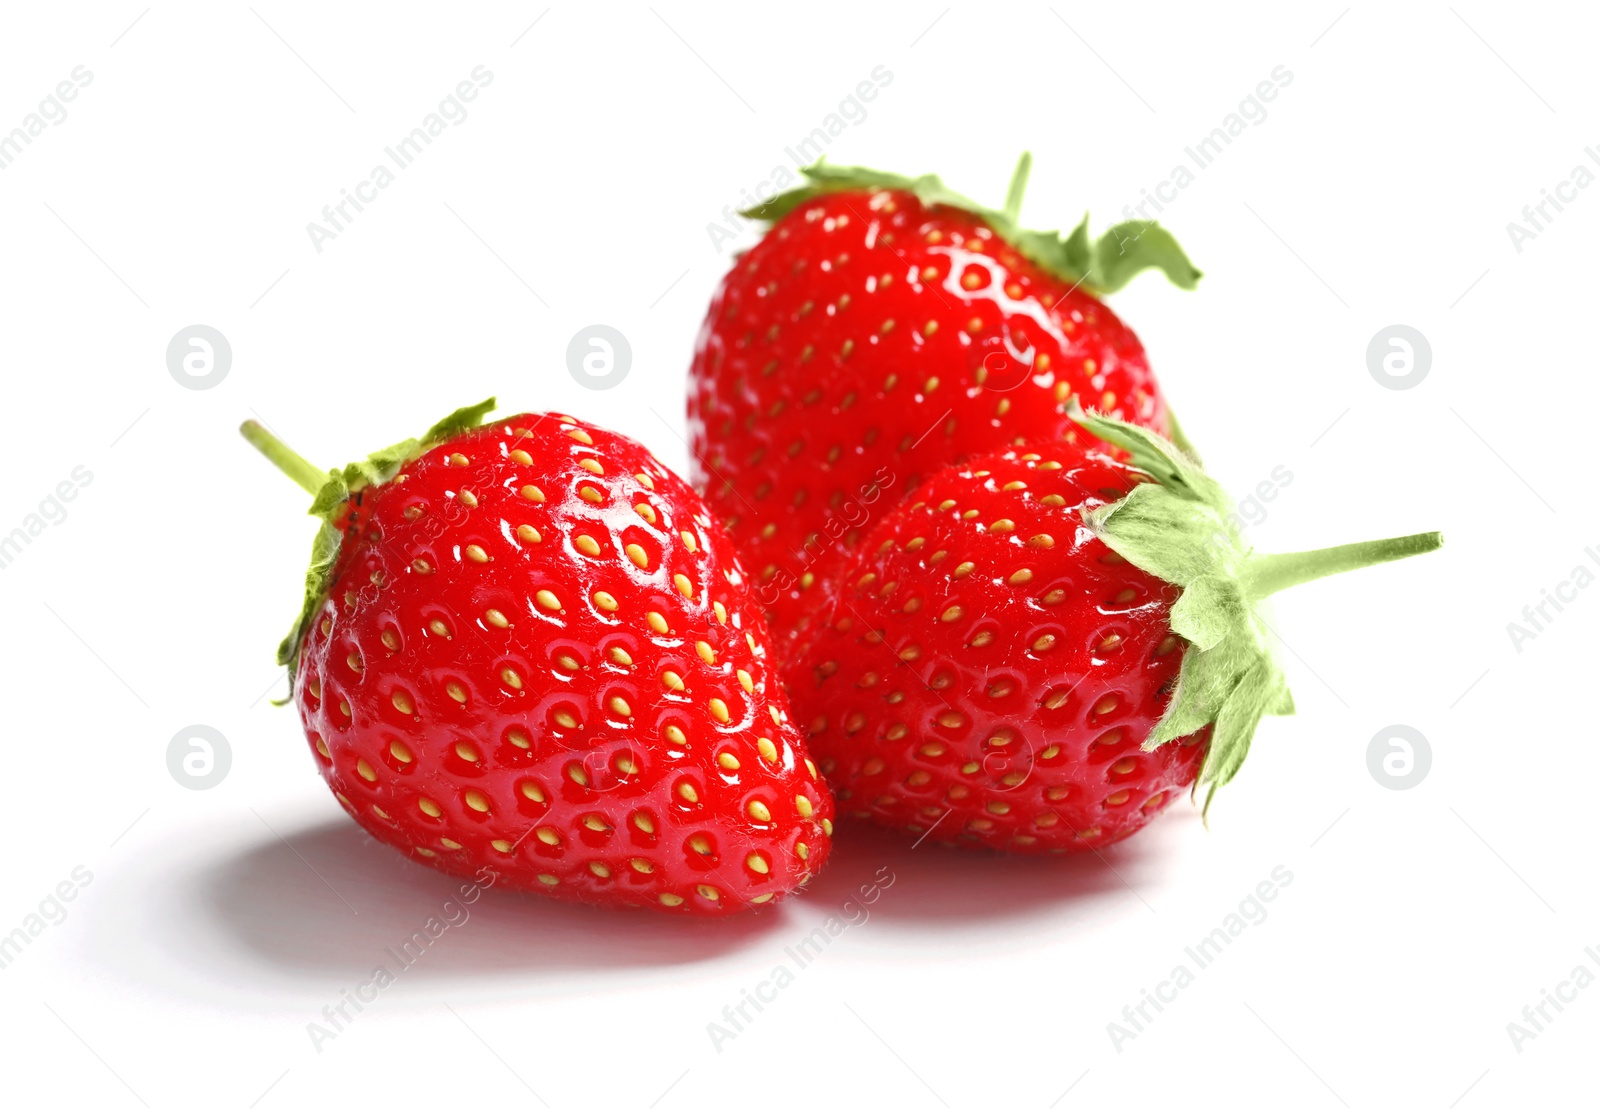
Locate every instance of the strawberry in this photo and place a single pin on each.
(1040, 649)
(527, 646)
(883, 328)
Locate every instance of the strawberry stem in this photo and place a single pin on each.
(1269, 573)
(1019, 184)
(295, 467)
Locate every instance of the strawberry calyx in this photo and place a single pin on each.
(332, 493)
(1181, 529)
(1100, 266)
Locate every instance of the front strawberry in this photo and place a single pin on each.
(528, 646)
(1039, 650)
(884, 328)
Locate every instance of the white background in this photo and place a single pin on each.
(579, 189)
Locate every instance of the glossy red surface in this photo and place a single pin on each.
(866, 342)
(540, 655)
(992, 669)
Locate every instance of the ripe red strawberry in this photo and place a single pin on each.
(527, 646)
(886, 327)
(1003, 666)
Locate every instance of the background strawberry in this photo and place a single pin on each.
(528, 646)
(1040, 649)
(885, 327)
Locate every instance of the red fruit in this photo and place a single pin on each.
(886, 327)
(527, 647)
(1003, 666)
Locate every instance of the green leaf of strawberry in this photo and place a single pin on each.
(1181, 529)
(1103, 266)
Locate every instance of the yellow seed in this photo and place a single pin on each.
(706, 653)
(1042, 542)
(619, 706)
(700, 845)
(429, 806)
(687, 792)
(422, 566)
(646, 512)
(621, 657)
(951, 613)
(587, 545)
(728, 761)
(402, 702)
(637, 556)
(478, 801)
(577, 774)
(801, 850)
(964, 569)
(494, 616)
(425, 852)
(719, 709)
(548, 880)
(685, 586)
(640, 864)
(827, 827)
(708, 892)
(467, 498)
(605, 600)
(533, 792)
(439, 628)
(757, 863)
(520, 457)
(565, 719)
(364, 769)
(501, 846)
(580, 436)
(670, 900)
(531, 492)
(547, 835)
(467, 752)
(675, 735)
(689, 541)
(547, 600)
(643, 823)
(322, 747)
(456, 691)
(399, 751)
(527, 534)
(768, 750)
(595, 822)
(758, 810)
(476, 553)
(657, 622)
(803, 805)
(671, 680)
(722, 613)
(591, 494)
(1021, 577)
(746, 681)
(511, 678)
(592, 465)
